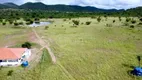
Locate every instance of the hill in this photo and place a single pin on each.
(11, 5)
(58, 7)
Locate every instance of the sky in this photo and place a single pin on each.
(105, 4)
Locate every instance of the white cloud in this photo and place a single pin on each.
(107, 4)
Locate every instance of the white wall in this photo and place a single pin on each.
(10, 63)
(27, 54)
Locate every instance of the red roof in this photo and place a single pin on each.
(11, 53)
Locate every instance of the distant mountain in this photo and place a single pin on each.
(34, 6)
(2, 6)
(70, 8)
(11, 5)
(66, 8)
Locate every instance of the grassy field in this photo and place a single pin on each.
(95, 52)
(85, 52)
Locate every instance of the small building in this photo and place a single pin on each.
(13, 56)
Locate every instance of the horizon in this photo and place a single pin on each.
(108, 4)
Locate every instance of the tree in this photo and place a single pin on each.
(26, 45)
(10, 73)
(128, 19)
(133, 21)
(99, 19)
(88, 22)
(46, 27)
(141, 19)
(132, 26)
(113, 21)
(120, 18)
(4, 23)
(16, 24)
(75, 22)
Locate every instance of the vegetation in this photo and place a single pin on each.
(75, 22)
(10, 73)
(26, 45)
(88, 22)
(103, 51)
(99, 19)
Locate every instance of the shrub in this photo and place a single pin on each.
(64, 20)
(132, 26)
(99, 19)
(126, 24)
(10, 22)
(120, 18)
(75, 22)
(27, 19)
(108, 25)
(26, 45)
(88, 22)
(133, 21)
(113, 21)
(46, 27)
(128, 19)
(140, 19)
(20, 23)
(4, 23)
(37, 22)
(31, 22)
(36, 19)
(140, 24)
(16, 24)
(10, 73)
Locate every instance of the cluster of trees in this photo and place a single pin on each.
(14, 14)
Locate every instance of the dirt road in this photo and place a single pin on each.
(45, 45)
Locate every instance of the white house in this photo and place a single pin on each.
(13, 56)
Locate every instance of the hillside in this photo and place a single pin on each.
(58, 7)
(11, 5)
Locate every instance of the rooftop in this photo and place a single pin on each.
(11, 53)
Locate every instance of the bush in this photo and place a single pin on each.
(140, 19)
(64, 20)
(10, 22)
(126, 24)
(132, 26)
(26, 45)
(46, 27)
(10, 73)
(16, 24)
(36, 19)
(133, 21)
(113, 21)
(99, 19)
(37, 22)
(128, 19)
(75, 22)
(4, 23)
(140, 24)
(120, 18)
(108, 25)
(88, 22)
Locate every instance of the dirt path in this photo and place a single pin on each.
(45, 45)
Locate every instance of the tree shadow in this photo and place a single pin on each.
(129, 72)
(128, 66)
